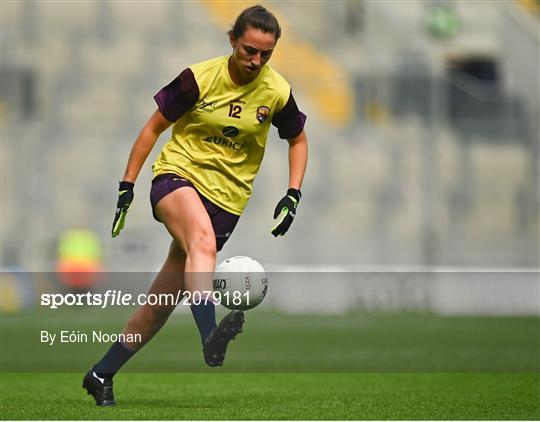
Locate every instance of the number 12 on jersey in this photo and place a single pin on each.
(234, 111)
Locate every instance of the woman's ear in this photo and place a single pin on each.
(232, 40)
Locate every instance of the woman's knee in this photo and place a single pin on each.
(203, 243)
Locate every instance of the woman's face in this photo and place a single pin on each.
(251, 51)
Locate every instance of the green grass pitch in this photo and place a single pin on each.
(355, 366)
(278, 396)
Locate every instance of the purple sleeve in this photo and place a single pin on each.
(289, 120)
(179, 96)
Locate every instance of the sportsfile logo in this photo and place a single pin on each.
(118, 298)
(109, 298)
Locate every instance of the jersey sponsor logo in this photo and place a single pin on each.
(218, 140)
(204, 106)
(230, 131)
(262, 114)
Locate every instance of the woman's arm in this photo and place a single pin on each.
(286, 208)
(298, 153)
(144, 143)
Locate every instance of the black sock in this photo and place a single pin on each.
(205, 317)
(113, 360)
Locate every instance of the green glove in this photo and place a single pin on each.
(125, 197)
(285, 212)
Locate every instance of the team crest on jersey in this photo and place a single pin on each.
(262, 114)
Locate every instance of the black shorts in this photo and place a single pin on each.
(223, 221)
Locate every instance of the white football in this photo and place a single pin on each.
(241, 282)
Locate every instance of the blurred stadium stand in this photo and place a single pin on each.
(309, 70)
(424, 150)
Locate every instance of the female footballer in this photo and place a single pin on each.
(220, 111)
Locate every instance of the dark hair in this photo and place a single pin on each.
(256, 17)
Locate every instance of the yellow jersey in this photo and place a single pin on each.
(220, 129)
